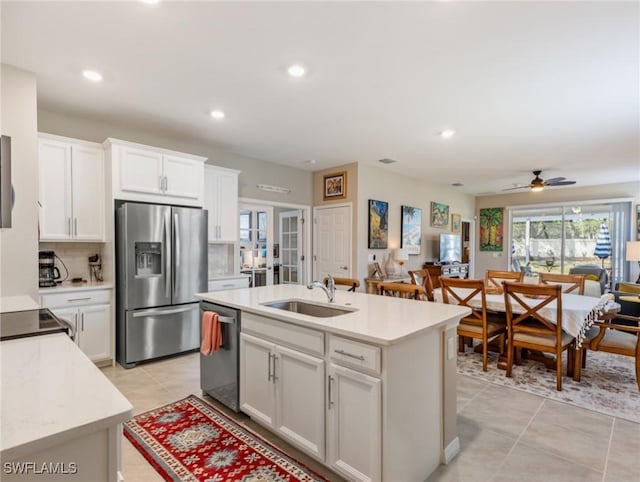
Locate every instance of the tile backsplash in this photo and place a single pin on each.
(221, 260)
(75, 257)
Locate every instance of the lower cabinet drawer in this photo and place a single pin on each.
(354, 354)
(71, 298)
(228, 284)
(287, 334)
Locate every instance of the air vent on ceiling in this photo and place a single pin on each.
(387, 161)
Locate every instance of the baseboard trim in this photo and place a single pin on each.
(451, 450)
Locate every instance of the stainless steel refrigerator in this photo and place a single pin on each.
(161, 259)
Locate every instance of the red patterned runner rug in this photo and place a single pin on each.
(190, 440)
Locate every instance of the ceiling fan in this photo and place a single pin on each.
(538, 184)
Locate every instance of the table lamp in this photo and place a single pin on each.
(633, 254)
(400, 255)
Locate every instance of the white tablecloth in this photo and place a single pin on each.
(578, 312)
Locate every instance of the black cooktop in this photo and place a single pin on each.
(21, 324)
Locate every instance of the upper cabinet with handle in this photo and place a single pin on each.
(71, 189)
(150, 174)
(221, 200)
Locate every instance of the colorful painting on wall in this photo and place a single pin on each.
(491, 229)
(456, 222)
(411, 229)
(335, 186)
(439, 215)
(378, 224)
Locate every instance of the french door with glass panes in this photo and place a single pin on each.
(290, 247)
(256, 243)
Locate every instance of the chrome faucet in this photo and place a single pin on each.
(329, 289)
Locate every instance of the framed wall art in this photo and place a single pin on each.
(411, 229)
(456, 223)
(491, 229)
(439, 215)
(378, 224)
(335, 186)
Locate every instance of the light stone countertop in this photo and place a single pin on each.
(52, 393)
(382, 320)
(70, 287)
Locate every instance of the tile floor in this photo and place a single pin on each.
(505, 435)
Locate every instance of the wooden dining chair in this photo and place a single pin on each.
(421, 277)
(494, 278)
(570, 283)
(480, 324)
(402, 290)
(353, 283)
(533, 330)
(612, 337)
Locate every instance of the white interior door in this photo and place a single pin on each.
(291, 267)
(332, 241)
(256, 243)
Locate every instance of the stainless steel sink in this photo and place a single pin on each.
(309, 309)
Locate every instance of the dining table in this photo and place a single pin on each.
(579, 312)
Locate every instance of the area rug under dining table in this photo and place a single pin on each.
(190, 440)
(608, 383)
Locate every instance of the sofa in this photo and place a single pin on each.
(592, 272)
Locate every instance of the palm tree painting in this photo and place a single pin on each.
(491, 229)
(378, 224)
(411, 229)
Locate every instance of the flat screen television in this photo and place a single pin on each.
(450, 248)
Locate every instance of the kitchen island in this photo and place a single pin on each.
(59, 415)
(369, 392)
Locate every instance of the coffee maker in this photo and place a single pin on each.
(48, 271)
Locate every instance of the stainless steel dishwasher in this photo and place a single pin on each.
(219, 370)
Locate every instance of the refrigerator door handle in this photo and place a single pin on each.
(176, 247)
(162, 311)
(167, 259)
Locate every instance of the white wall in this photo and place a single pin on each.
(398, 190)
(485, 261)
(19, 244)
(254, 171)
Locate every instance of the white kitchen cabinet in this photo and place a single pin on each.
(257, 391)
(93, 333)
(151, 174)
(89, 312)
(71, 189)
(354, 433)
(221, 200)
(283, 389)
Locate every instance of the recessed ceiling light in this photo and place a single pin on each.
(217, 114)
(447, 133)
(310, 161)
(296, 70)
(387, 161)
(150, 2)
(92, 75)
(457, 184)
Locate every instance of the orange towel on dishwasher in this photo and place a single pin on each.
(211, 333)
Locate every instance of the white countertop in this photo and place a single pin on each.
(68, 286)
(52, 393)
(382, 320)
(18, 303)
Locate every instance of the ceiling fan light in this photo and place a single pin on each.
(537, 187)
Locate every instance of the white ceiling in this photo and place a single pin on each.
(526, 85)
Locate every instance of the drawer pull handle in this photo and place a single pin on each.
(78, 299)
(230, 285)
(345, 353)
